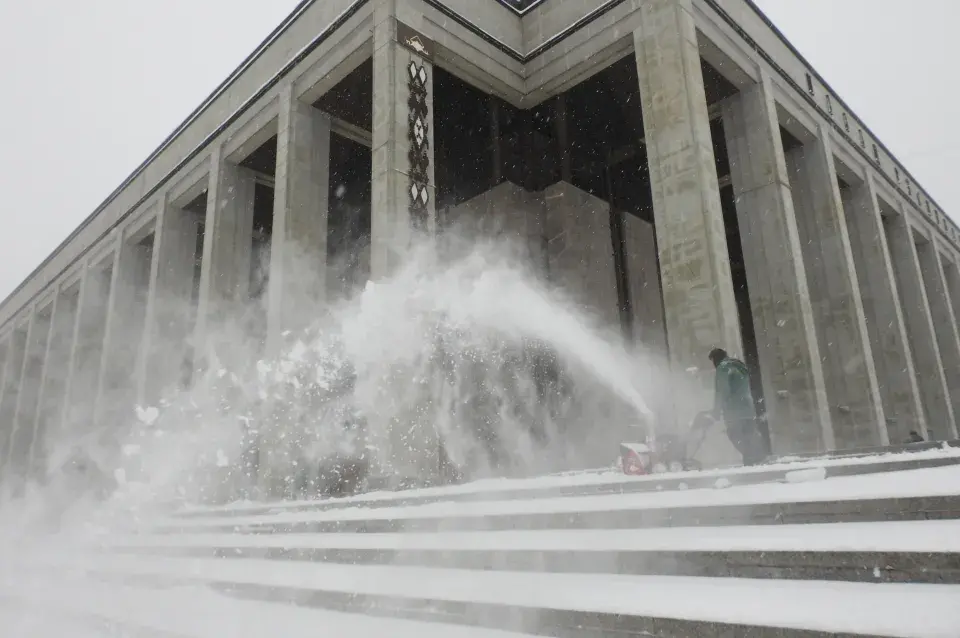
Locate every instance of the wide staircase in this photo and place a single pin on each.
(855, 545)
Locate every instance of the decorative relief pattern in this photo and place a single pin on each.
(418, 134)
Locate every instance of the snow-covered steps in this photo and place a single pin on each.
(97, 610)
(916, 551)
(774, 559)
(902, 448)
(909, 536)
(557, 603)
(906, 495)
(604, 482)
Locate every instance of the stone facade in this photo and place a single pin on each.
(850, 268)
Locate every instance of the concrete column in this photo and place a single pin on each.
(4, 356)
(699, 304)
(227, 247)
(298, 263)
(402, 204)
(851, 378)
(53, 387)
(944, 323)
(12, 376)
(112, 304)
(646, 296)
(404, 193)
(117, 387)
(87, 351)
(923, 341)
(5, 353)
(74, 355)
(789, 354)
(18, 454)
(952, 275)
(580, 251)
(32, 463)
(893, 358)
(170, 313)
(12, 460)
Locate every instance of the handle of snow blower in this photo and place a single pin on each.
(701, 423)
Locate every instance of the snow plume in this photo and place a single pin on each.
(461, 364)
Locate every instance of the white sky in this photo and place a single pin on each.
(90, 88)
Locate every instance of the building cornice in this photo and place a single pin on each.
(519, 7)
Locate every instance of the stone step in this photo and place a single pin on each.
(593, 484)
(163, 609)
(750, 560)
(915, 551)
(870, 451)
(564, 604)
(854, 510)
(905, 495)
(860, 567)
(557, 623)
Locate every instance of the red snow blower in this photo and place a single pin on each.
(666, 452)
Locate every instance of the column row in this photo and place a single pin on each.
(879, 310)
(855, 314)
(856, 331)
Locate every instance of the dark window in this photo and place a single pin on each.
(829, 105)
(846, 123)
(896, 172)
(860, 135)
(809, 84)
(876, 154)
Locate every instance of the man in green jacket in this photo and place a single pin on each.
(733, 402)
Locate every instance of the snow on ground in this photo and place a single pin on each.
(901, 536)
(41, 574)
(593, 478)
(941, 481)
(876, 609)
(23, 622)
(197, 612)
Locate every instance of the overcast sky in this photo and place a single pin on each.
(91, 87)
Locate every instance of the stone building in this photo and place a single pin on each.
(675, 164)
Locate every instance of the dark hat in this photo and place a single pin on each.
(717, 355)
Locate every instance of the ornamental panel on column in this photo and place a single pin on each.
(403, 204)
(403, 201)
(789, 354)
(699, 305)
